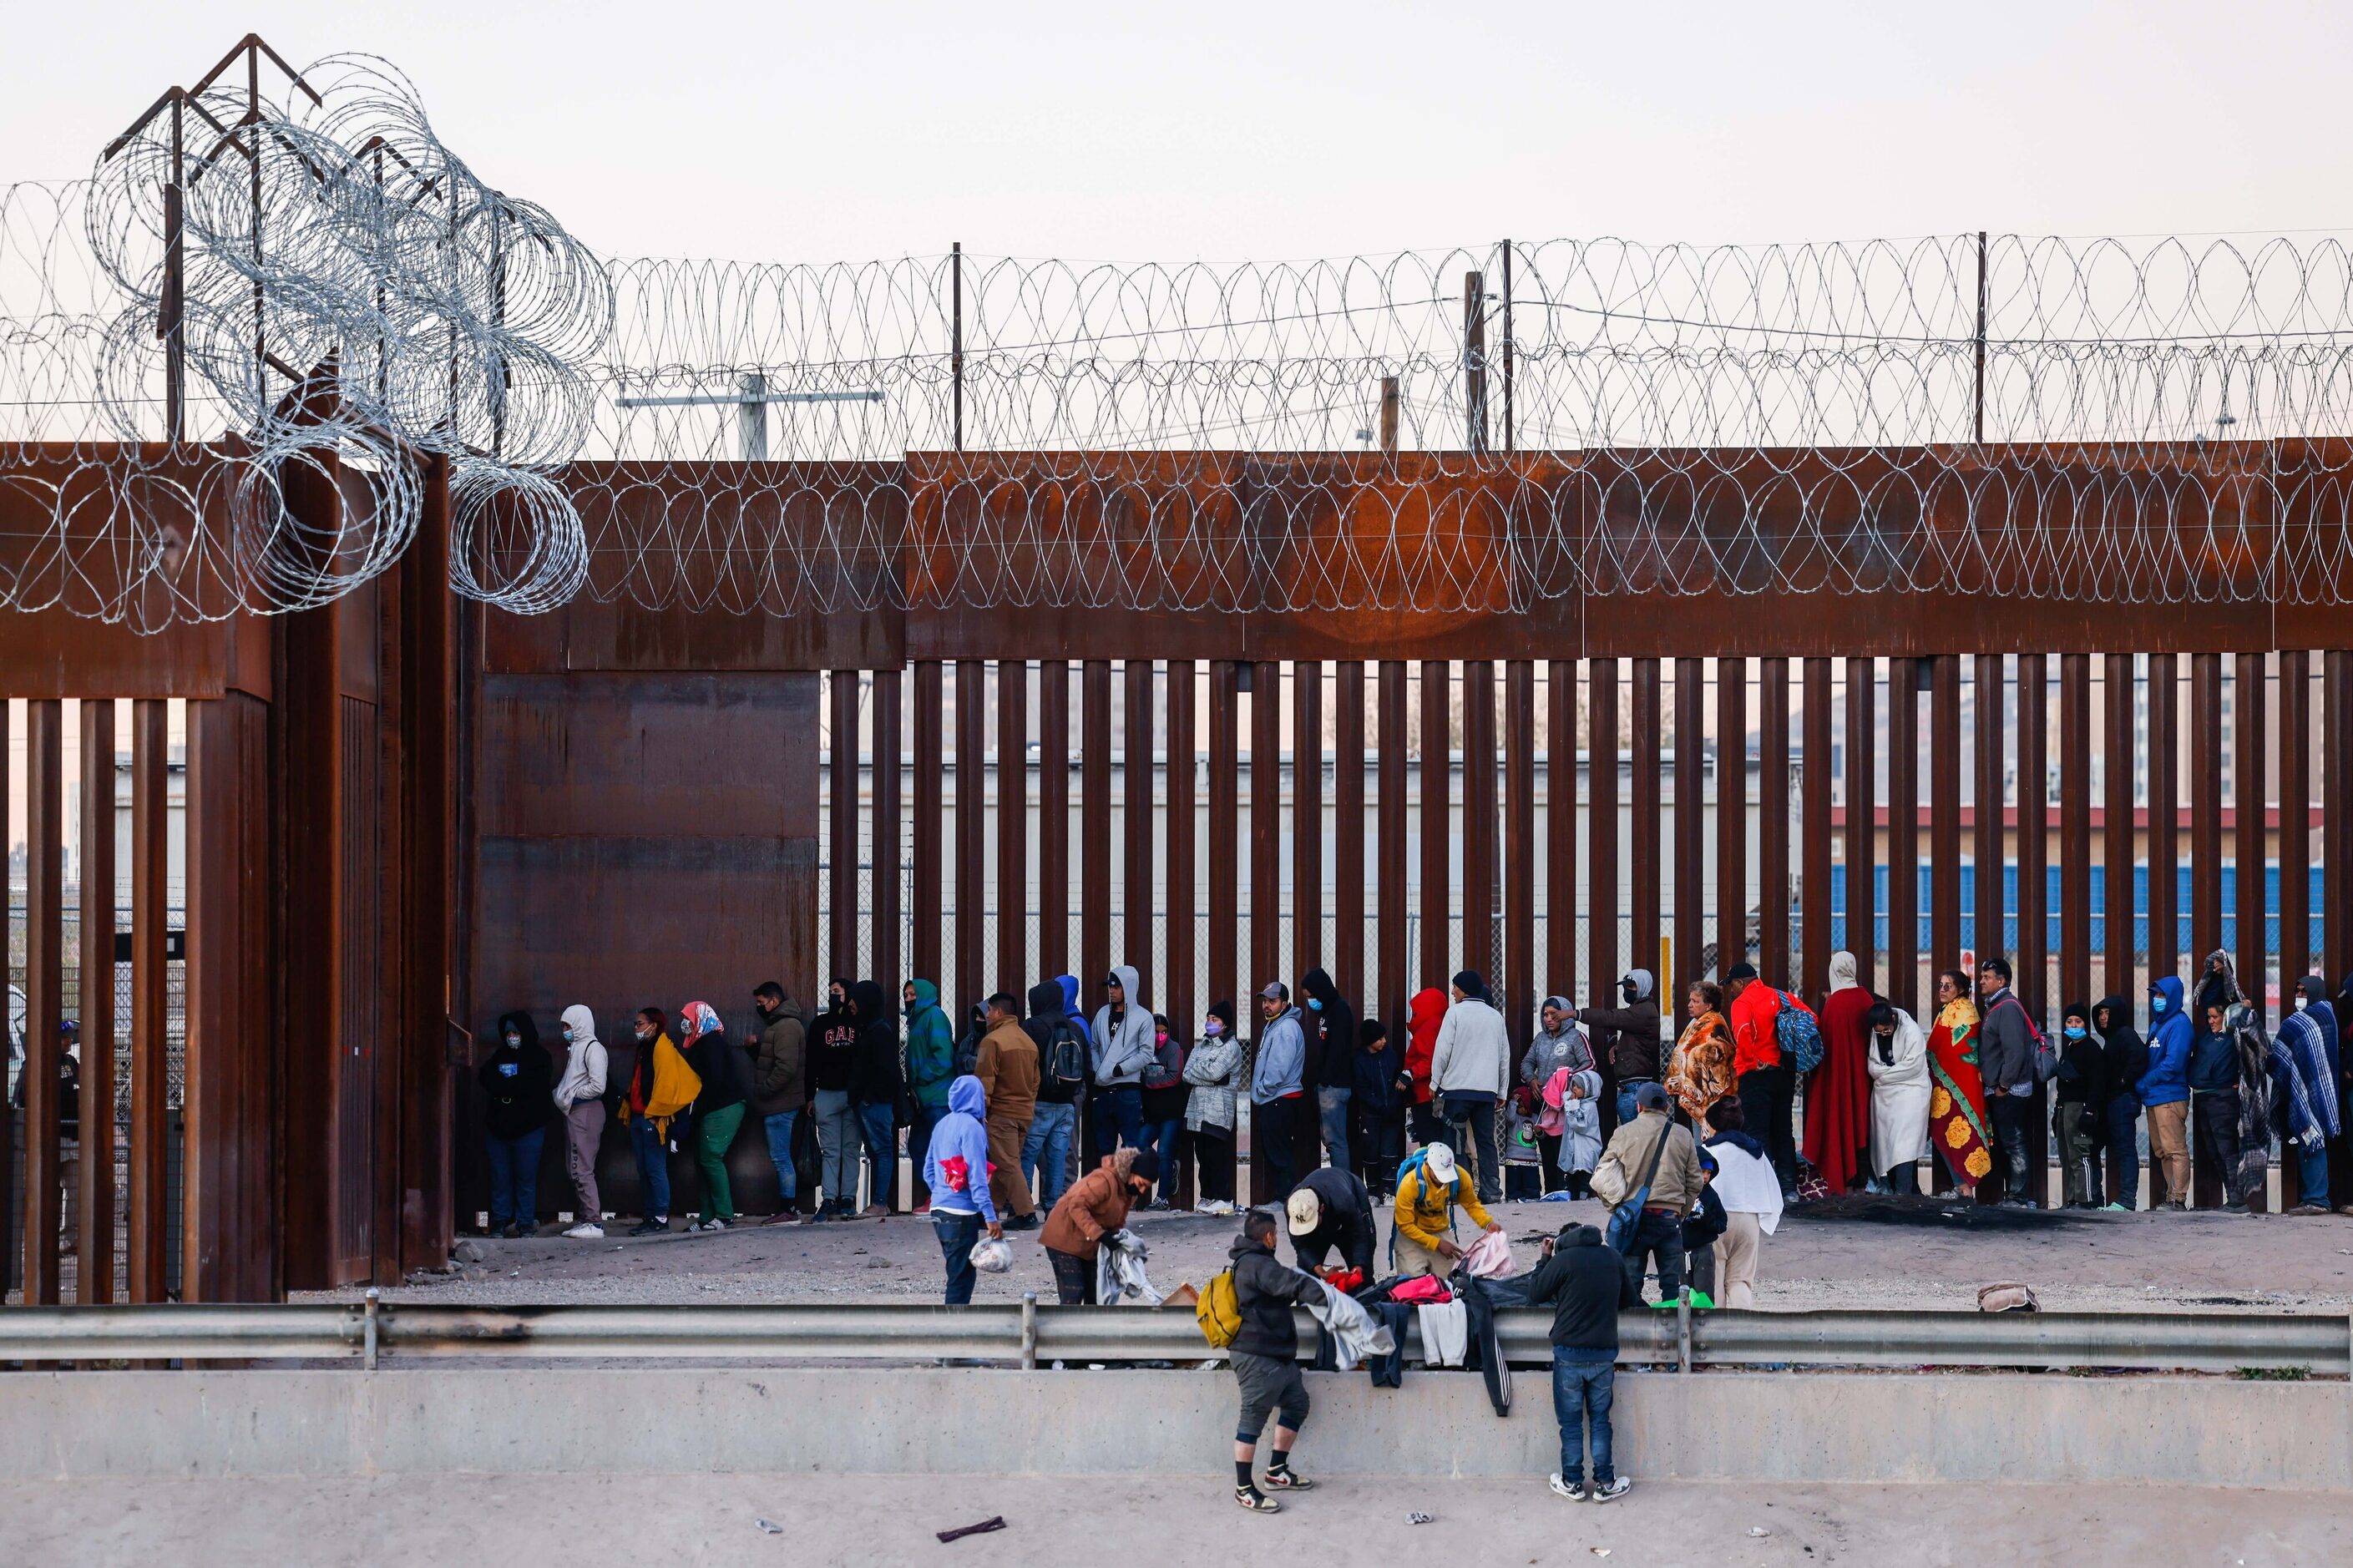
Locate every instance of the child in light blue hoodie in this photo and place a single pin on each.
(956, 1171)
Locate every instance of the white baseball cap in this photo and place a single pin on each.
(1306, 1212)
(1439, 1160)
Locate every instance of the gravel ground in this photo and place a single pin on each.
(2074, 1261)
(1351, 1520)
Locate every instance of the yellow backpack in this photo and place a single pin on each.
(1219, 1310)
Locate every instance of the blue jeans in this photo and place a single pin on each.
(1047, 1150)
(1582, 1391)
(958, 1234)
(652, 1150)
(1626, 1108)
(880, 1128)
(1332, 1110)
(2312, 1173)
(1118, 1114)
(514, 1179)
(1160, 1137)
(2124, 1145)
(780, 1150)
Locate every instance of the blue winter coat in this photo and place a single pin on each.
(2170, 1037)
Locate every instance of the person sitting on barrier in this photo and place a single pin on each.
(1332, 1208)
(956, 1169)
(1587, 1286)
(1096, 1205)
(1430, 1185)
(1265, 1358)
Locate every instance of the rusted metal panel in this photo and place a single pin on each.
(2205, 809)
(1945, 810)
(2033, 858)
(1224, 868)
(2075, 830)
(1433, 899)
(1773, 826)
(841, 822)
(1561, 899)
(1053, 818)
(1389, 936)
(1265, 835)
(1306, 818)
(2251, 797)
(1904, 836)
(1861, 843)
(146, 1257)
(1992, 725)
(94, 1243)
(43, 991)
(1138, 883)
(1814, 875)
(2164, 814)
(2295, 821)
(1691, 832)
(2117, 853)
(1520, 846)
(1479, 816)
(1648, 758)
(1012, 830)
(420, 1098)
(971, 829)
(1606, 898)
(923, 896)
(890, 864)
(49, 653)
(1731, 820)
(1348, 835)
(1094, 830)
(1184, 864)
(678, 638)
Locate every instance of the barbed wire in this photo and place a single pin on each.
(2136, 422)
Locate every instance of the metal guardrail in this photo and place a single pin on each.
(1027, 1334)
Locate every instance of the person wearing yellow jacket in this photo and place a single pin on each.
(661, 1086)
(1427, 1193)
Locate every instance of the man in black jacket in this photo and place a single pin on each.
(1265, 1357)
(876, 1078)
(1587, 1286)
(1331, 1028)
(1626, 1041)
(2125, 1055)
(1330, 1209)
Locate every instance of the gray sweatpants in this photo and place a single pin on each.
(583, 1133)
(838, 1135)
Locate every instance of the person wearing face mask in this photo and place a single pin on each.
(1626, 1038)
(726, 1075)
(1331, 1029)
(2124, 1057)
(833, 1058)
(1211, 1073)
(1096, 1204)
(1062, 1070)
(1377, 1100)
(931, 1069)
(2215, 1102)
(517, 1080)
(661, 1087)
(1122, 1049)
(779, 1090)
(2076, 1125)
(580, 1104)
(1165, 1095)
(2307, 1071)
(876, 1080)
(2164, 1091)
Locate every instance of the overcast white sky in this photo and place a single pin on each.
(1291, 128)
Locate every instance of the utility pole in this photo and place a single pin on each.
(1474, 362)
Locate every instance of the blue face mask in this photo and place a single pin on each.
(1315, 1006)
(567, 1035)
(2156, 1004)
(2075, 1031)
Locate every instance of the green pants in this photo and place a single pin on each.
(713, 1134)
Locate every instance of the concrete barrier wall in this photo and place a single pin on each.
(1823, 1427)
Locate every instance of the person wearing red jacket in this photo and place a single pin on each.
(1424, 1014)
(1767, 1085)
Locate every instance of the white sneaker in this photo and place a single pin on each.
(1613, 1490)
(1574, 1490)
(587, 1230)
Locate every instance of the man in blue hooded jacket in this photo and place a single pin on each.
(2164, 1091)
(957, 1170)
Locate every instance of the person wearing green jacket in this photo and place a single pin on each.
(930, 1071)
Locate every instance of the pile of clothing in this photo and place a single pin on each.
(1455, 1318)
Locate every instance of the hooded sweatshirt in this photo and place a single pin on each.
(874, 1077)
(956, 1169)
(1008, 1071)
(2123, 1054)
(584, 1060)
(1378, 1064)
(931, 1049)
(1280, 1071)
(1047, 1021)
(1331, 1028)
(779, 1082)
(1553, 1049)
(1266, 1291)
(1069, 984)
(2214, 1058)
(1587, 1285)
(2083, 1064)
(1425, 1013)
(516, 1078)
(1627, 1037)
(834, 1052)
(2166, 1081)
(1091, 1207)
(1473, 1054)
(1122, 1049)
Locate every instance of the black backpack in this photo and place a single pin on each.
(1065, 1063)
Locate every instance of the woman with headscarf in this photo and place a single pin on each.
(1424, 1015)
(1699, 1072)
(1559, 1044)
(876, 1078)
(1838, 1092)
(1212, 1070)
(718, 1109)
(2306, 1069)
(580, 1102)
(661, 1087)
(1956, 1110)
(515, 1080)
(1901, 1086)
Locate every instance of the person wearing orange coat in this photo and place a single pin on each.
(1838, 1092)
(1424, 1014)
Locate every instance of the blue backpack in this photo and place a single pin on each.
(1798, 1034)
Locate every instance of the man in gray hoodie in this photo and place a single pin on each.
(1122, 1049)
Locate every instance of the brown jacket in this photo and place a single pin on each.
(1096, 1205)
(1676, 1186)
(1008, 1070)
